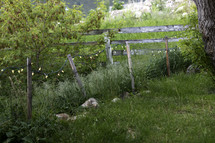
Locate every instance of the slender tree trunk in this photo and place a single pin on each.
(206, 16)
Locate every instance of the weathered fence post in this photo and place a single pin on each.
(76, 75)
(29, 89)
(167, 56)
(130, 66)
(108, 51)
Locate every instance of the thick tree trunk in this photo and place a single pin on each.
(206, 16)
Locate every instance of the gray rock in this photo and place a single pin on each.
(192, 69)
(66, 117)
(92, 102)
(115, 100)
(63, 116)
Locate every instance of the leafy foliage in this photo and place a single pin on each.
(117, 5)
(30, 28)
(33, 29)
(193, 47)
(158, 67)
(93, 20)
(158, 5)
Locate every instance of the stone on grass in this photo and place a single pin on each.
(115, 100)
(131, 134)
(92, 102)
(192, 69)
(63, 116)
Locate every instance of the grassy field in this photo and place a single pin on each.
(177, 109)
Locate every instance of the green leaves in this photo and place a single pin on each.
(193, 47)
(117, 5)
(32, 27)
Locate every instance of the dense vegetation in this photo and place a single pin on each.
(174, 109)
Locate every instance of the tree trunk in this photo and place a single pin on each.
(206, 17)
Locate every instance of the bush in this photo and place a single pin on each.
(117, 5)
(193, 47)
(183, 85)
(158, 66)
(41, 129)
(158, 5)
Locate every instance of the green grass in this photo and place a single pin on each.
(178, 109)
(137, 36)
(153, 19)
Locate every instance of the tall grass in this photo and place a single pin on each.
(178, 109)
(110, 120)
(105, 83)
(67, 97)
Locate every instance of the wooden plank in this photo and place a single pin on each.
(29, 89)
(130, 67)
(108, 51)
(166, 28)
(123, 41)
(98, 31)
(72, 64)
(6, 49)
(78, 43)
(146, 29)
(118, 52)
(136, 51)
(167, 56)
(145, 41)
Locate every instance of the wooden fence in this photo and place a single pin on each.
(110, 53)
(148, 29)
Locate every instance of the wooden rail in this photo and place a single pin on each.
(146, 29)
(129, 41)
(137, 51)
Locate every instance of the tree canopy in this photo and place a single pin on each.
(32, 28)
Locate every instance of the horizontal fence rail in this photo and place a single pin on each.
(145, 41)
(5, 49)
(146, 29)
(139, 51)
(129, 41)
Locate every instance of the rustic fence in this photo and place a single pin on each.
(148, 29)
(110, 53)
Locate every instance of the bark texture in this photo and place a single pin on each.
(206, 17)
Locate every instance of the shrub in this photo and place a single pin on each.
(158, 5)
(193, 47)
(41, 129)
(158, 66)
(117, 5)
